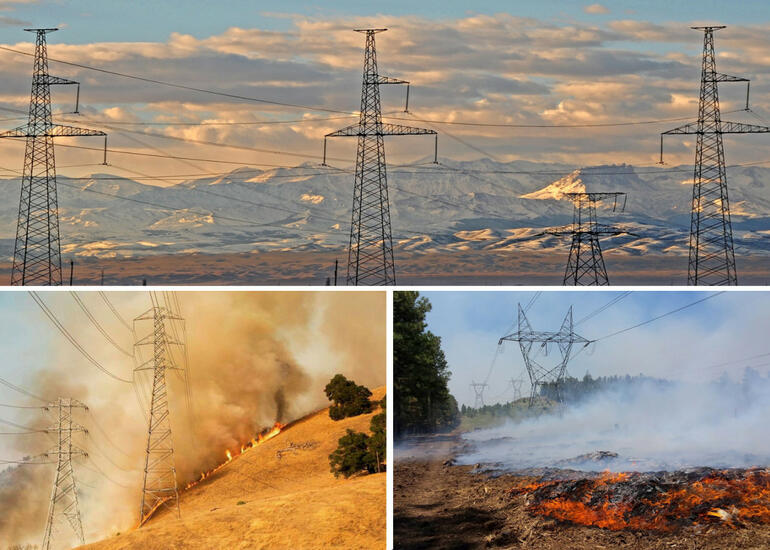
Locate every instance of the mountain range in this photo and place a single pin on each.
(473, 205)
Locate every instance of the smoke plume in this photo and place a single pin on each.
(254, 358)
(650, 426)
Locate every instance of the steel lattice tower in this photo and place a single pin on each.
(516, 384)
(64, 497)
(160, 485)
(370, 250)
(478, 390)
(565, 339)
(585, 265)
(37, 251)
(712, 258)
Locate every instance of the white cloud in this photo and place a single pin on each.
(596, 9)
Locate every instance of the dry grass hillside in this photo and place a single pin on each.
(280, 494)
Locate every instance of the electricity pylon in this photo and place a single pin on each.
(565, 339)
(160, 484)
(585, 265)
(516, 384)
(64, 497)
(712, 258)
(370, 250)
(478, 389)
(37, 251)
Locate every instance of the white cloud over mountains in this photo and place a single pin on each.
(486, 69)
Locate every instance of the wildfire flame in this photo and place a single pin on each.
(604, 502)
(246, 447)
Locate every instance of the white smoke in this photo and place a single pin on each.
(651, 427)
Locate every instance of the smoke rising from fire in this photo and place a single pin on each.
(651, 426)
(254, 358)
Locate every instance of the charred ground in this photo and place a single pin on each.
(440, 505)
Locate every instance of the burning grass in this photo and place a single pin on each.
(658, 501)
(261, 438)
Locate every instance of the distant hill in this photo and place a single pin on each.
(474, 205)
(280, 494)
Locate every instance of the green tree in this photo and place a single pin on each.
(351, 455)
(422, 402)
(349, 398)
(378, 440)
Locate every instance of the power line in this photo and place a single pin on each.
(21, 390)
(518, 125)
(98, 470)
(210, 123)
(184, 87)
(20, 426)
(606, 306)
(39, 301)
(696, 302)
(115, 312)
(106, 437)
(97, 325)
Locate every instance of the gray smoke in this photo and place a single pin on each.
(649, 426)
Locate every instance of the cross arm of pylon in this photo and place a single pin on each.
(74, 428)
(388, 80)
(383, 129)
(545, 337)
(75, 451)
(55, 130)
(726, 128)
(599, 229)
(74, 403)
(721, 77)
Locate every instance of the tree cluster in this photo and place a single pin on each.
(422, 402)
(358, 452)
(349, 398)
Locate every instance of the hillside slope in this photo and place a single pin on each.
(280, 494)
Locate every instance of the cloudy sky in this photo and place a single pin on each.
(530, 63)
(722, 334)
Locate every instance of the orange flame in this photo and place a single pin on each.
(261, 438)
(719, 497)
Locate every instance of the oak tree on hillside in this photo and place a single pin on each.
(349, 398)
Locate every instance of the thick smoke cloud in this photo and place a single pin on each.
(254, 358)
(650, 426)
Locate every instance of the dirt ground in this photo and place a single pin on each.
(517, 267)
(278, 495)
(442, 506)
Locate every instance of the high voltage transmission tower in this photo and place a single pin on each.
(516, 384)
(478, 390)
(64, 497)
(565, 339)
(370, 250)
(37, 252)
(160, 485)
(585, 265)
(712, 258)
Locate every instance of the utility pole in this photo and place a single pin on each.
(478, 389)
(712, 258)
(370, 250)
(160, 484)
(585, 265)
(37, 252)
(64, 496)
(565, 339)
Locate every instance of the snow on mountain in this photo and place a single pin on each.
(476, 205)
